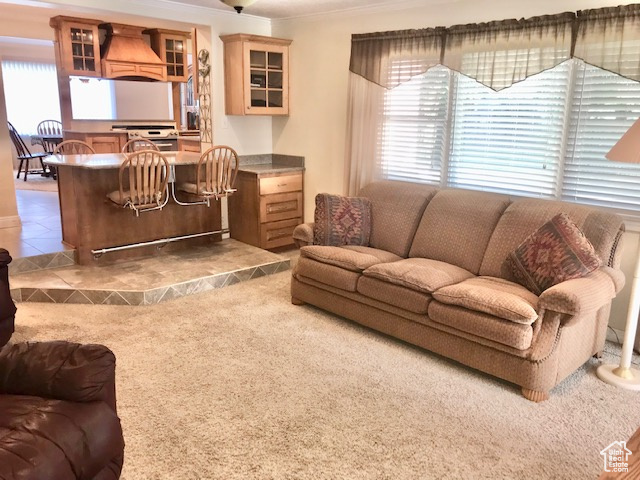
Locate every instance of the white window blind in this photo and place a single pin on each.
(31, 94)
(543, 137)
(414, 128)
(604, 107)
(509, 141)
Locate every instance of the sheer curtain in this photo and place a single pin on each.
(609, 38)
(31, 93)
(380, 61)
(499, 54)
(363, 121)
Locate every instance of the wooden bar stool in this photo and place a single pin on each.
(216, 173)
(143, 178)
(73, 147)
(136, 144)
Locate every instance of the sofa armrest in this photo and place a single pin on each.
(303, 234)
(59, 370)
(5, 258)
(585, 294)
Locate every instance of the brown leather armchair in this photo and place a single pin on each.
(7, 307)
(58, 416)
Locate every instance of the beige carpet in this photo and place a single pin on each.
(238, 383)
(35, 181)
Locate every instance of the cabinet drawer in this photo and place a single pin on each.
(278, 234)
(281, 184)
(280, 206)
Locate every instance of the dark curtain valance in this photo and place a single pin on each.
(501, 53)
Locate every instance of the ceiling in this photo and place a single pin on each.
(293, 8)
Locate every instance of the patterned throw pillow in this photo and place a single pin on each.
(556, 252)
(341, 220)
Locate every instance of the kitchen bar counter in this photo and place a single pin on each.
(90, 221)
(113, 160)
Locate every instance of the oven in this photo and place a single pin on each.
(165, 137)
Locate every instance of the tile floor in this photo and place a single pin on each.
(40, 232)
(150, 280)
(43, 269)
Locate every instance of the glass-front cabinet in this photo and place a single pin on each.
(77, 45)
(256, 75)
(171, 47)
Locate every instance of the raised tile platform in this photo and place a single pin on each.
(151, 280)
(42, 262)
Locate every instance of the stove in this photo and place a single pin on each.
(164, 136)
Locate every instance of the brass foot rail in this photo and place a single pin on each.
(163, 241)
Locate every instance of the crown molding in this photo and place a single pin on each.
(366, 9)
(162, 9)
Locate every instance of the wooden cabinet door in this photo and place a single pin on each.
(266, 79)
(105, 144)
(280, 207)
(78, 45)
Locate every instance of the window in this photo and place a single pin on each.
(543, 137)
(92, 98)
(414, 131)
(31, 94)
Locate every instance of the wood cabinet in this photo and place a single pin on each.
(266, 208)
(77, 46)
(256, 75)
(101, 142)
(171, 47)
(189, 144)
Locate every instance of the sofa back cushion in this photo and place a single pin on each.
(525, 216)
(456, 227)
(396, 210)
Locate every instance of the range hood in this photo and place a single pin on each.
(127, 56)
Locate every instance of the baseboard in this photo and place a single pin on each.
(611, 335)
(10, 222)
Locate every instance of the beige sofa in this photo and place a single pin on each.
(424, 239)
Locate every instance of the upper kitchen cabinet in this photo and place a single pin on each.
(256, 71)
(77, 46)
(171, 47)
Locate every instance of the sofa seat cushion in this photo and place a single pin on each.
(420, 274)
(56, 438)
(505, 332)
(392, 294)
(495, 296)
(352, 257)
(337, 277)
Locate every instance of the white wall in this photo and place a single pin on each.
(8, 209)
(319, 78)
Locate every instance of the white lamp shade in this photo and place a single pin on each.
(238, 3)
(627, 149)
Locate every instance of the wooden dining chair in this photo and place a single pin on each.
(136, 144)
(143, 182)
(216, 173)
(24, 154)
(49, 128)
(73, 147)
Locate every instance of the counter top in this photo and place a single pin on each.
(271, 163)
(114, 160)
(95, 132)
(269, 168)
